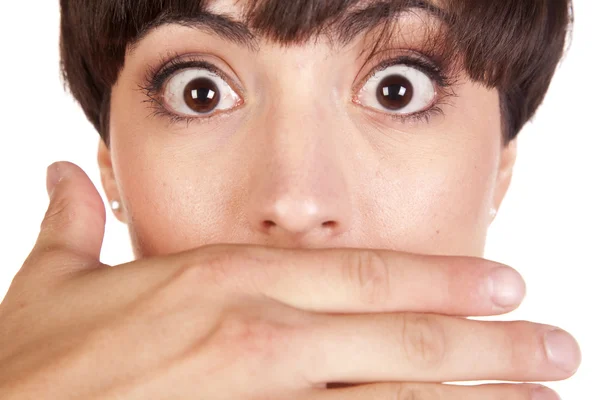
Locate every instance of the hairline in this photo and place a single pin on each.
(238, 32)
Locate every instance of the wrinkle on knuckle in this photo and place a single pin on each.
(257, 269)
(57, 213)
(250, 337)
(210, 270)
(518, 347)
(55, 255)
(409, 391)
(423, 340)
(406, 392)
(369, 273)
(236, 269)
(193, 281)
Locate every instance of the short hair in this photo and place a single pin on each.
(511, 45)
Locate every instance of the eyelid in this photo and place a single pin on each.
(172, 99)
(156, 77)
(385, 59)
(443, 84)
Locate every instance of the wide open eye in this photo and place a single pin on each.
(194, 92)
(398, 89)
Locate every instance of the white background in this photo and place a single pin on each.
(547, 228)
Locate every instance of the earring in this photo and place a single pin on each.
(115, 205)
(493, 212)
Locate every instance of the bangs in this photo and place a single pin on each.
(511, 45)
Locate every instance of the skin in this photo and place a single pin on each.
(300, 164)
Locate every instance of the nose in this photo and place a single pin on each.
(299, 189)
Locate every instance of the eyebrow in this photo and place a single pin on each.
(219, 25)
(348, 28)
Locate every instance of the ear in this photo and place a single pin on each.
(109, 182)
(508, 157)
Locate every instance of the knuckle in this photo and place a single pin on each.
(527, 391)
(251, 338)
(57, 212)
(520, 343)
(53, 255)
(214, 269)
(415, 392)
(233, 268)
(423, 340)
(193, 281)
(369, 273)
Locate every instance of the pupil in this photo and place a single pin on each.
(202, 95)
(395, 92)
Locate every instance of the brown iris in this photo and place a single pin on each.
(202, 95)
(395, 92)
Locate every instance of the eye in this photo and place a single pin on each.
(399, 89)
(198, 91)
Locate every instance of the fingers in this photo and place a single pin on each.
(433, 391)
(433, 348)
(359, 280)
(73, 227)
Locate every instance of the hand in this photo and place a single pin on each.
(250, 322)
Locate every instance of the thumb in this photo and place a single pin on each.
(73, 227)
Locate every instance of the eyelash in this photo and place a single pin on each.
(443, 82)
(155, 78)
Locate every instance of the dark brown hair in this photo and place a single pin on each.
(512, 45)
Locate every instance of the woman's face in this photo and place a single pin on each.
(302, 149)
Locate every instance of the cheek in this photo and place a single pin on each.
(174, 204)
(459, 199)
(173, 196)
(442, 208)
(436, 188)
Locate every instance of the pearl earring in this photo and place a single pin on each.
(493, 212)
(115, 205)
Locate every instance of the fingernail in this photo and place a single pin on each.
(53, 176)
(506, 286)
(562, 350)
(544, 393)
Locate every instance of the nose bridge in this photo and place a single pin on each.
(296, 131)
(299, 115)
(298, 188)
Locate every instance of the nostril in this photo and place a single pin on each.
(329, 224)
(268, 224)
